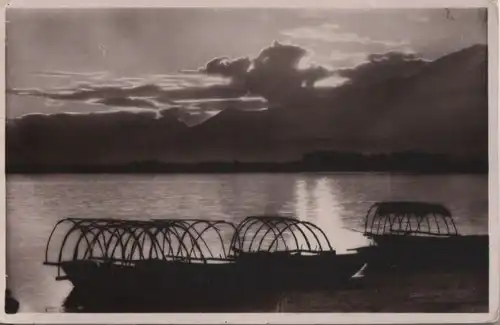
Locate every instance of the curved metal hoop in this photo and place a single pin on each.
(403, 218)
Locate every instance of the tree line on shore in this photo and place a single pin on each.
(320, 161)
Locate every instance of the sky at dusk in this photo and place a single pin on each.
(129, 42)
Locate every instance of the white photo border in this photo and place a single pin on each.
(284, 318)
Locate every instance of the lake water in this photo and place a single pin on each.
(334, 202)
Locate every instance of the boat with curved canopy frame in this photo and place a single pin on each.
(122, 260)
(409, 218)
(291, 253)
(416, 234)
(116, 258)
(128, 242)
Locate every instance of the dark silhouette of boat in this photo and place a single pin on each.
(292, 254)
(182, 264)
(11, 304)
(416, 235)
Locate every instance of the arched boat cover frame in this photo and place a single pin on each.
(409, 218)
(179, 240)
(265, 233)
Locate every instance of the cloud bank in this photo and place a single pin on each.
(381, 67)
(274, 74)
(273, 78)
(279, 75)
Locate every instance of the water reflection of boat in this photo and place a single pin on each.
(416, 235)
(118, 263)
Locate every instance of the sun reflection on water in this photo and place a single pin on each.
(322, 206)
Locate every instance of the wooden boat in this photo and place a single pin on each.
(115, 262)
(415, 235)
(292, 254)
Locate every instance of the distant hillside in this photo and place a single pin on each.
(444, 108)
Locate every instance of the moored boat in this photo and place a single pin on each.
(293, 254)
(416, 235)
(115, 262)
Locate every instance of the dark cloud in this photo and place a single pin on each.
(273, 74)
(144, 96)
(234, 69)
(86, 92)
(380, 67)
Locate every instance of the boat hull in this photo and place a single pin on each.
(244, 285)
(419, 252)
(299, 272)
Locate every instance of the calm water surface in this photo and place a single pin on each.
(334, 202)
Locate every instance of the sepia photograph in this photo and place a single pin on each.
(247, 160)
